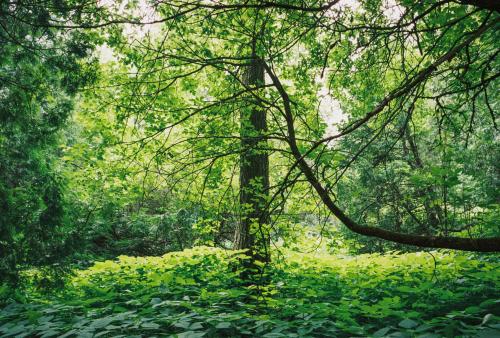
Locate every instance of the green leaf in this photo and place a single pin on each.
(196, 326)
(404, 288)
(148, 325)
(472, 310)
(382, 332)
(223, 325)
(49, 333)
(429, 335)
(191, 334)
(69, 333)
(101, 322)
(408, 323)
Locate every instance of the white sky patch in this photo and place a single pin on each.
(392, 10)
(329, 109)
(204, 93)
(337, 10)
(299, 52)
(105, 54)
(356, 53)
(342, 4)
(146, 14)
(143, 12)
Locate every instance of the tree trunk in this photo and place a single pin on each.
(254, 172)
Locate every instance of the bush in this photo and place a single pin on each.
(199, 292)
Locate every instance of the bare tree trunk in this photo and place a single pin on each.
(254, 172)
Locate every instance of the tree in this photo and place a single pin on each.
(41, 72)
(254, 171)
(387, 63)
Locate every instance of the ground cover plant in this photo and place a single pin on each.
(199, 293)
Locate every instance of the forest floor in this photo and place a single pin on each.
(199, 293)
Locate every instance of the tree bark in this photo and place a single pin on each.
(254, 172)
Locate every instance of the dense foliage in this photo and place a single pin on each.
(41, 71)
(249, 168)
(199, 293)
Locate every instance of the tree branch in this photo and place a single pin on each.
(458, 243)
(491, 5)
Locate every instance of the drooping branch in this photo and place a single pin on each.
(269, 4)
(458, 243)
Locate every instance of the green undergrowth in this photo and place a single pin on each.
(199, 293)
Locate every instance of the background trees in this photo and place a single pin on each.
(41, 70)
